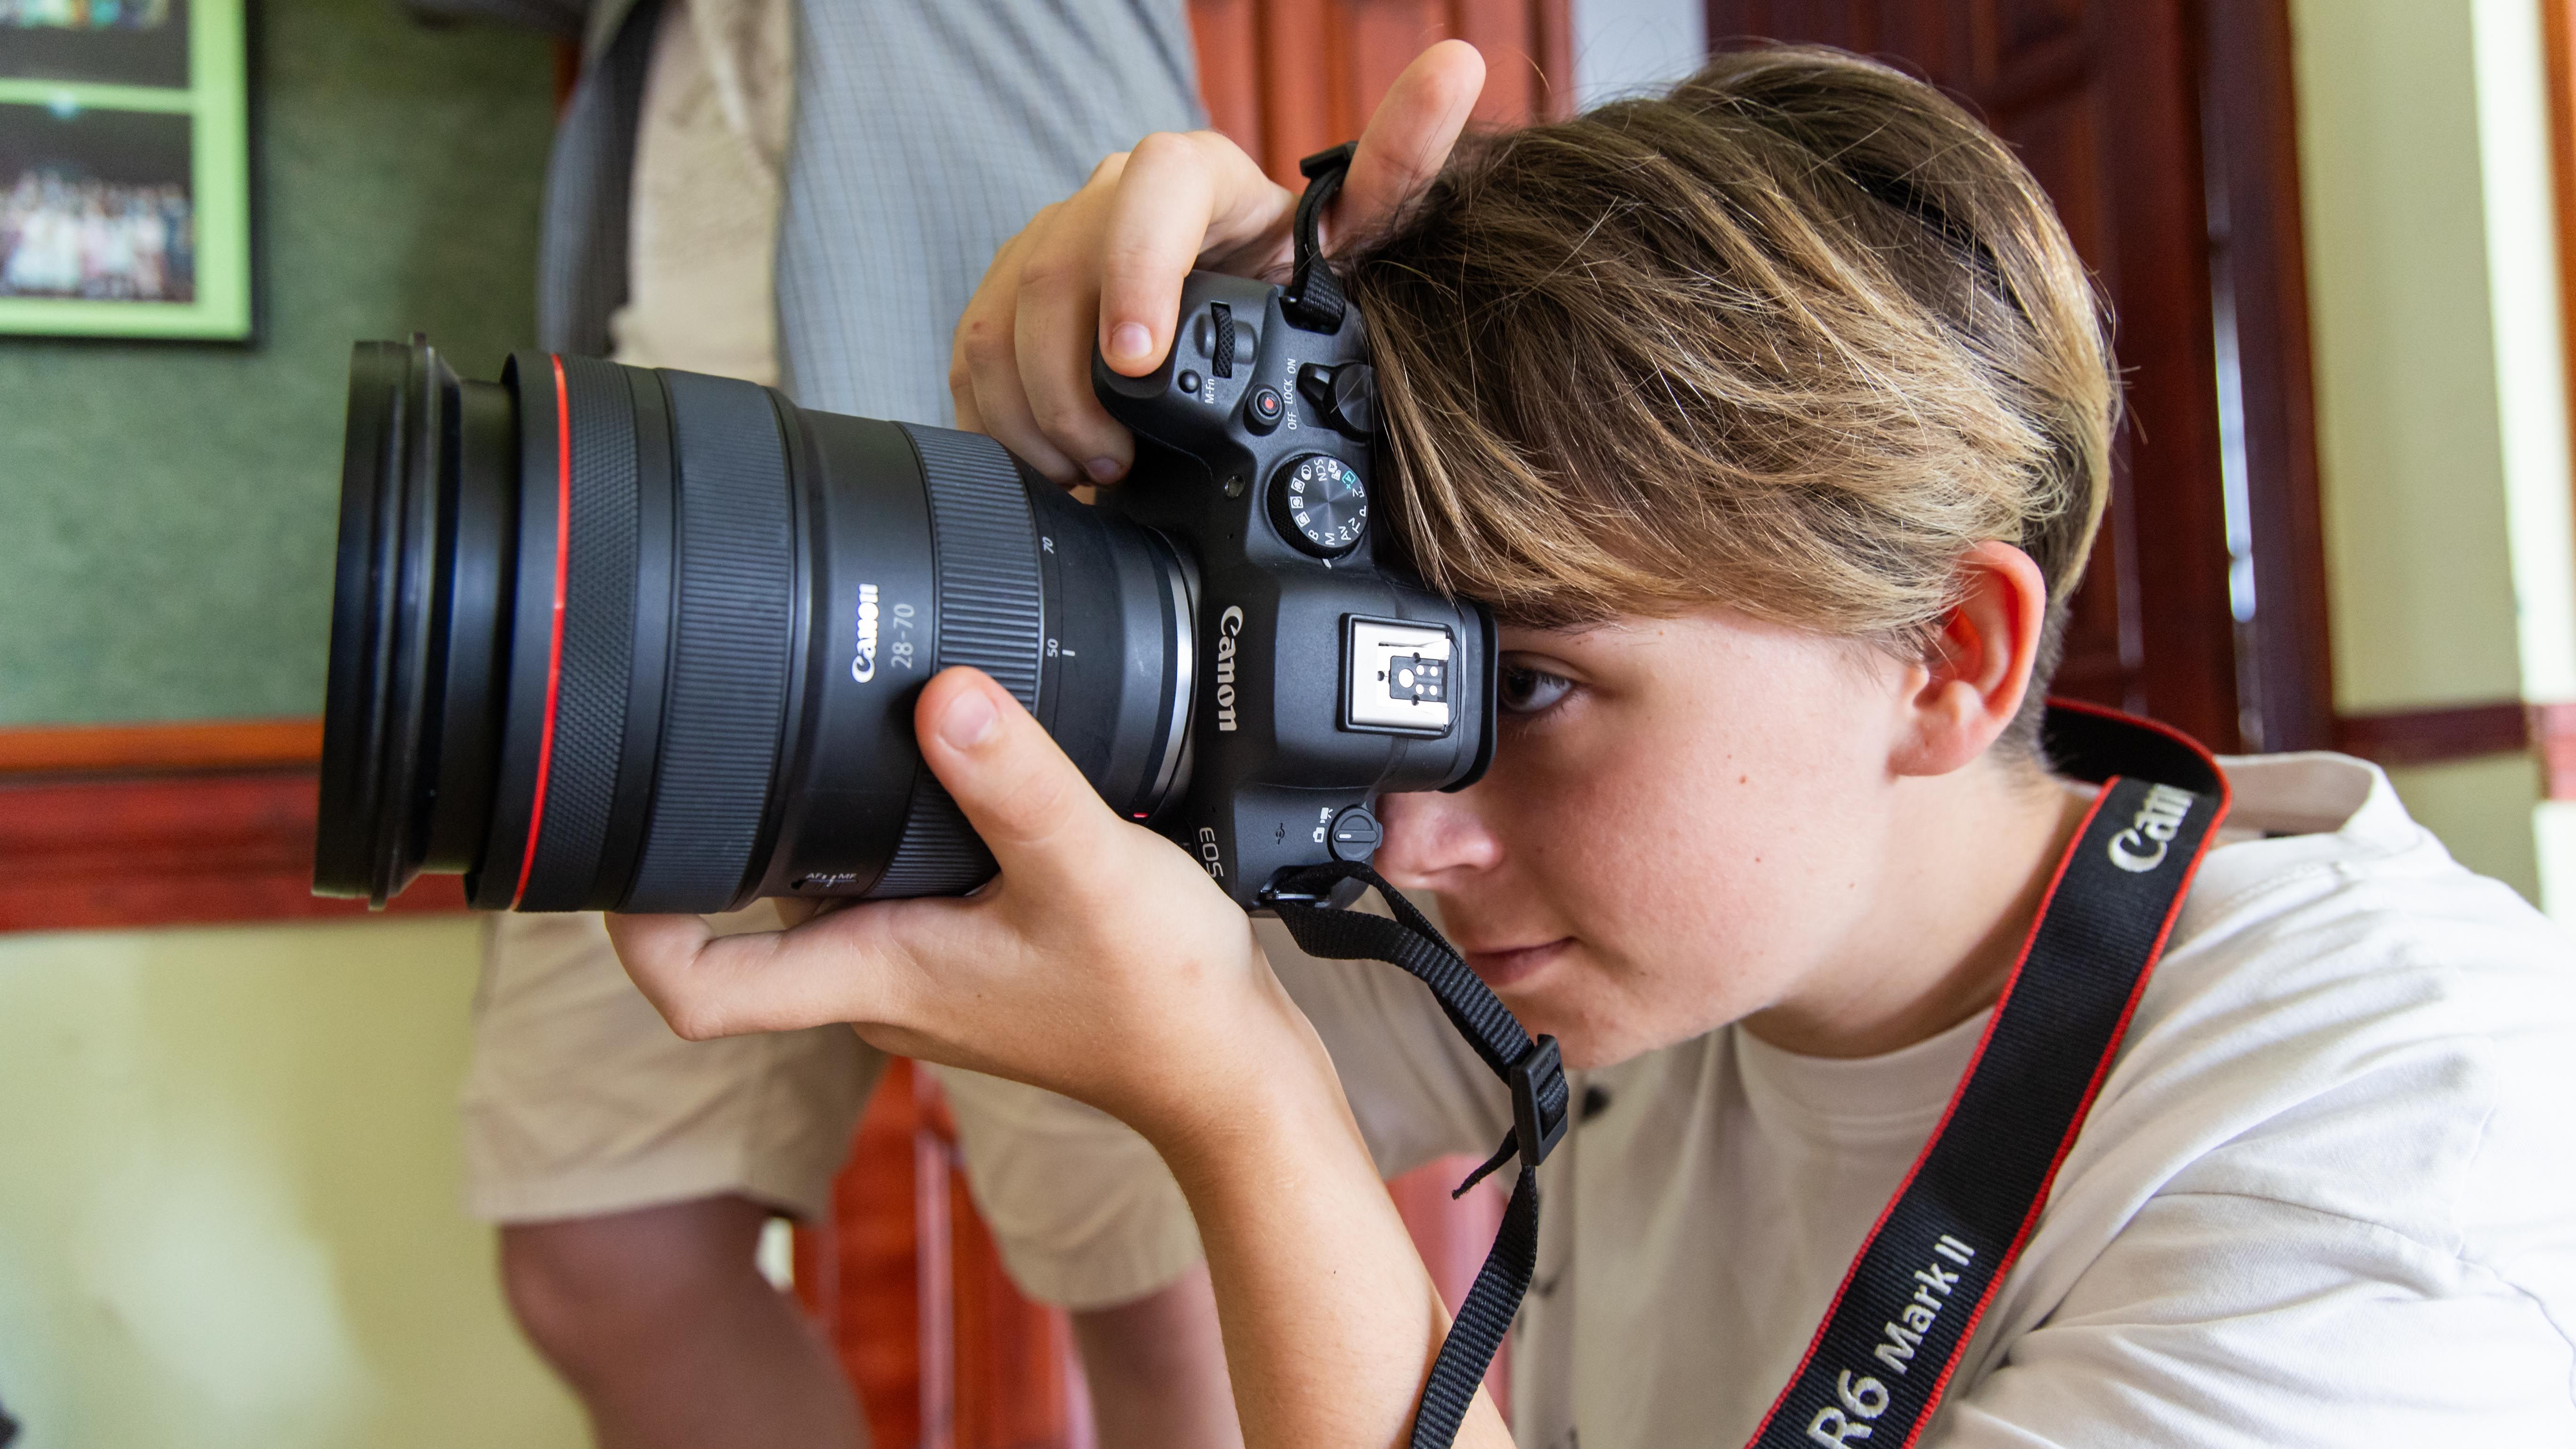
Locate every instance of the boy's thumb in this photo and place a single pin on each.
(1041, 819)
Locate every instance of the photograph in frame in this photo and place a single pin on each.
(124, 169)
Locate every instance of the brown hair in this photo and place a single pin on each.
(1790, 338)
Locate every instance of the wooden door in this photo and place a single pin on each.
(1288, 78)
(2102, 100)
(908, 1286)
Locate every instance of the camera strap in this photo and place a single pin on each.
(1313, 299)
(1532, 1069)
(1924, 1276)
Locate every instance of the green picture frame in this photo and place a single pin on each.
(125, 205)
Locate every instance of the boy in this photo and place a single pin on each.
(1773, 417)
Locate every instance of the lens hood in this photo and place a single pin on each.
(373, 719)
(419, 590)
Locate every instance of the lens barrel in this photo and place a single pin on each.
(608, 637)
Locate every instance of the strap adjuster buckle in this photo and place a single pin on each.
(1536, 1131)
(1331, 158)
(1313, 300)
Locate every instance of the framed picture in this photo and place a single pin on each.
(124, 169)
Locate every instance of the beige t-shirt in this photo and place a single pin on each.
(710, 148)
(2326, 1196)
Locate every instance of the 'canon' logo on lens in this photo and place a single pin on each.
(863, 666)
(2158, 820)
(1228, 624)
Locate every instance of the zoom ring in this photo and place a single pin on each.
(729, 659)
(989, 613)
(571, 816)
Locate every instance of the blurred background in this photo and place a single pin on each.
(2334, 231)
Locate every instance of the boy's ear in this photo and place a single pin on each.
(1971, 685)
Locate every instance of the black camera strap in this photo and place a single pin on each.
(1912, 1298)
(1313, 299)
(1532, 1069)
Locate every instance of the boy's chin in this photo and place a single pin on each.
(1583, 1042)
(1596, 1029)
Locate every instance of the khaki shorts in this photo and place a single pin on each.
(579, 1101)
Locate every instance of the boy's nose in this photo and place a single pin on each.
(1432, 839)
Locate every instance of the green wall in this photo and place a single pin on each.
(231, 1218)
(231, 1209)
(166, 511)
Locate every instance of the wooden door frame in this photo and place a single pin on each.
(1259, 61)
(2250, 131)
(181, 823)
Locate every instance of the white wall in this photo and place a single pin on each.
(2441, 412)
(2531, 380)
(230, 1215)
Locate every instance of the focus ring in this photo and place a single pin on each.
(988, 612)
(729, 650)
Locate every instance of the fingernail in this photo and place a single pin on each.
(1130, 339)
(969, 721)
(1103, 470)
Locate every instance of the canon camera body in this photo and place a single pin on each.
(1327, 677)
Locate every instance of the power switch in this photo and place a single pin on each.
(1356, 834)
(1344, 397)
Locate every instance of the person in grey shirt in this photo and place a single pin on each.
(806, 195)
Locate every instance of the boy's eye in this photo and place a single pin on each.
(1525, 690)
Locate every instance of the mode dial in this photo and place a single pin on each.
(1320, 504)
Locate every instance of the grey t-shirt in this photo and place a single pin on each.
(926, 133)
(992, 107)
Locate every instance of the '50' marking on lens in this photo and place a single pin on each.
(863, 664)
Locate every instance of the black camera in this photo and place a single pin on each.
(607, 637)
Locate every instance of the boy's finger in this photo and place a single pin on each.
(681, 966)
(844, 966)
(984, 366)
(1182, 195)
(1051, 337)
(1410, 137)
(1045, 825)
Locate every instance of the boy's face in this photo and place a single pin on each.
(1687, 820)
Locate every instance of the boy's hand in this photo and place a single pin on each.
(1102, 963)
(1106, 264)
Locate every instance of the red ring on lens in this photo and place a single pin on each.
(554, 658)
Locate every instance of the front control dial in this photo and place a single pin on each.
(1320, 504)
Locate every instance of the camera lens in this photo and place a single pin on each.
(618, 638)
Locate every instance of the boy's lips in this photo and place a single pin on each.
(1508, 966)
